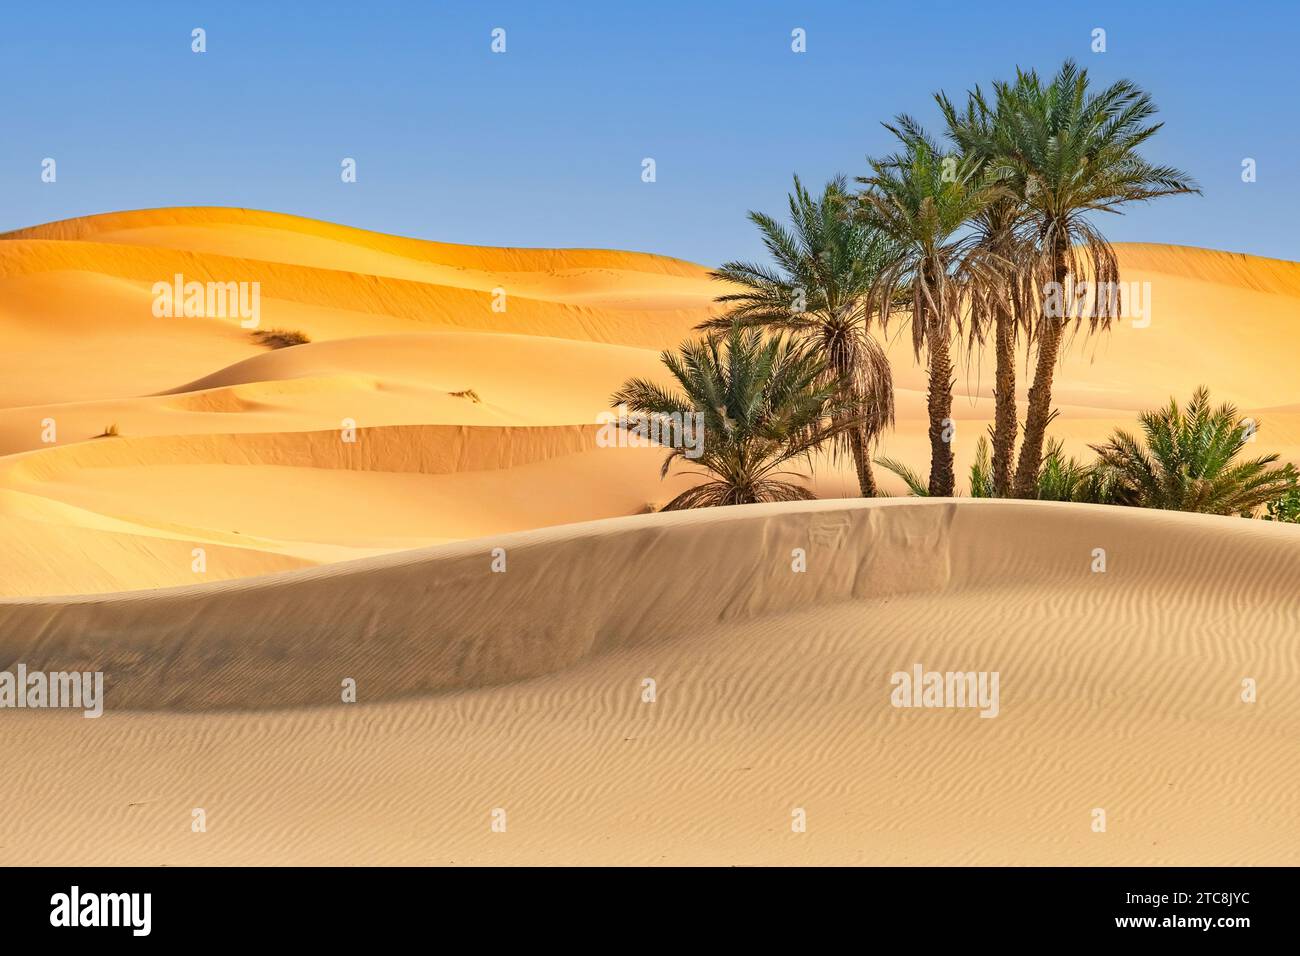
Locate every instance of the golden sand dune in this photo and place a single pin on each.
(306, 495)
(391, 356)
(1118, 690)
(277, 237)
(447, 378)
(457, 406)
(133, 446)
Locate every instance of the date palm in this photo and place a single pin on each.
(1188, 460)
(1070, 152)
(921, 200)
(975, 131)
(765, 403)
(825, 266)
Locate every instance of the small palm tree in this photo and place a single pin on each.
(1068, 479)
(1187, 460)
(1068, 153)
(826, 265)
(921, 200)
(1060, 478)
(764, 404)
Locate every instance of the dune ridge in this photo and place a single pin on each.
(1119, 690)
(449, 622)
(423, 449)
(151, 227)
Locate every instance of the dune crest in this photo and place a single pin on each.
(449, 622)
(772, 691)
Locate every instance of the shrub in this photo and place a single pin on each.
(1285, 507)
(280, 338)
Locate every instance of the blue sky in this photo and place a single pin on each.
(542, 146)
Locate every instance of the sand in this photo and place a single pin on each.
(326, 559)
(523, 691)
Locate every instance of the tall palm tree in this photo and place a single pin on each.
(975, 132)
(921, 200)
(826, 264)
(765, 403)
(1187, 460)
(1070, 152)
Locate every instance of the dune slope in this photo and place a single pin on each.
(234, 535)
(425, 351)
(1119, 690)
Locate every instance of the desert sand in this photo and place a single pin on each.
(522, 691)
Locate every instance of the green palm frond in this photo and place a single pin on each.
(765, 403)
(1065, 151)
(825, 266)
(923, 200)
(981, 471)
(917, 485)
(1188, 460)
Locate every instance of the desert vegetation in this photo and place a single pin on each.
(767, 402)
(968, 238)
(280, 338)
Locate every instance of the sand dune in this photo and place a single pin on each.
(406, 347)
(307, 495)
(1119, 691)
(404, 337)
(345, 496)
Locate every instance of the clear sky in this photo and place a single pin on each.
(542, 145)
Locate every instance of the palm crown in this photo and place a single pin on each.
(1188, 461)
(922, 199)
(826, 264)
(1066, 153)
(764, 402)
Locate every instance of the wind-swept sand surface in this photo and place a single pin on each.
(522, 691)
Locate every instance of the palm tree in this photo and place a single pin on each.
(1069, 152)
(1187, 461)
(921, 199)
(975, 132)
(764, 403)
(826, 264)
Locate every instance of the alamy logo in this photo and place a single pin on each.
(630, 429)
(103, 909)
(1098, 300)
(83, 690)
(208, 300)
(922, 688)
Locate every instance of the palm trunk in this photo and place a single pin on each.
(841, 360)
(939, 404)
(1040, 411)
(1040, 395)
(858, 446)
(1005, 424)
